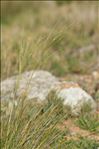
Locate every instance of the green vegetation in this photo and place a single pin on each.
(30, 125)
(53, 36)
(88, 122)
(35, 126)
(47, 38)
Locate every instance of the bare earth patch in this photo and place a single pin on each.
(76, 132)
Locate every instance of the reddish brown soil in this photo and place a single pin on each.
(76, 132)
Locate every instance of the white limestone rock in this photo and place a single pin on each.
(38, 84)
(74, 96)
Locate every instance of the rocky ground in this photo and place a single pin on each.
(39, 84)
(88, 82)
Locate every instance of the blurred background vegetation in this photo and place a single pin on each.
(59, 36)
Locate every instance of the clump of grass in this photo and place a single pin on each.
(28, 127)
(88, 119)
(31, 125)
(89, 122)
(82, 143)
